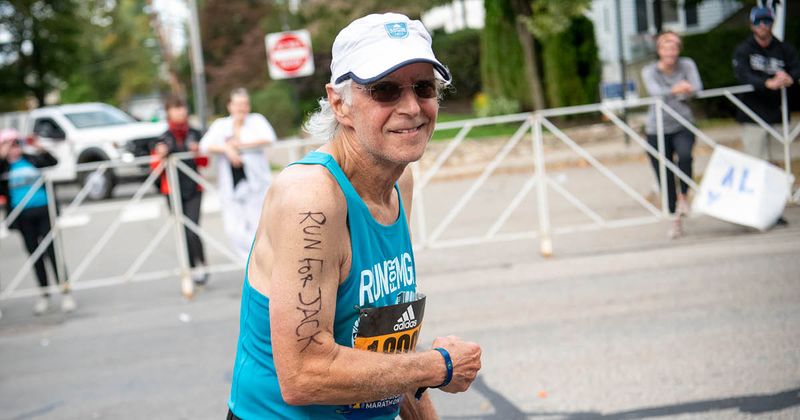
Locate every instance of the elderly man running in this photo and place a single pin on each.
(330, 313)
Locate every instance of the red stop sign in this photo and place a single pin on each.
(289, 53)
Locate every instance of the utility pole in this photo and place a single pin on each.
(621, 56)
(198, 67)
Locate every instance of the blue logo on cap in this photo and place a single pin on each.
(396, 30)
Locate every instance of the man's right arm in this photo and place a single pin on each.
(305, 218)
(43, 158)
(212, 141)
(651, 84)
(257, 123)
(744, 73)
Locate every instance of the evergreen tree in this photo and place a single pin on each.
(119, 57)
(571, 66)
(502, 63)
(513, 34)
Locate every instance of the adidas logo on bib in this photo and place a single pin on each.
(406, 321)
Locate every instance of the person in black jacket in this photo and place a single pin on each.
(178, 138)
(769, 65)
(19, 173)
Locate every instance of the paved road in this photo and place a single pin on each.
(621, 323)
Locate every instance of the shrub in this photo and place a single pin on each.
(571, 66)
(277, 102)
(486, 106)
(502, 63)
(460, 52)
(713, 52)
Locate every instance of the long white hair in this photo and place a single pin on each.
(322, 124)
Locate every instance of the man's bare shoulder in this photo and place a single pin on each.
(309, 187)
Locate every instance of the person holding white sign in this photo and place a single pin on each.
(243, 171)
(333, 250)
(675, 79)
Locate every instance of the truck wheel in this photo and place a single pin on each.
(101, 185)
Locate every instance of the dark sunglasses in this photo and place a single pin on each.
(387, 91)
(765, 21)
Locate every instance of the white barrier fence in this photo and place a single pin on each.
(535, 124)
(77, 214)
(531, 124)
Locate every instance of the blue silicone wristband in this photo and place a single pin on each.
(448, 363)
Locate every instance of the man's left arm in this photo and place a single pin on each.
(792, 62)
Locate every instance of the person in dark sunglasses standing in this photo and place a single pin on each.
(769, 65)
(333, 244)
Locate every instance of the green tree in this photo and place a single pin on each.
(233, 45)
(277, 101)
(502, 61)
(41, 47)
(133, 42)
(119, 58)
(530, 21)
(571, 66)
(233, 41)
(460, 51)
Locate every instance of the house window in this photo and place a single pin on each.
(669, 11)
(691, 12)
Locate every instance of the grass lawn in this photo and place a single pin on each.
(476, 132)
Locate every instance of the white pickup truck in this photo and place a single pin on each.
(89, 132)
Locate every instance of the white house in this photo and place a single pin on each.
(638, 26)
(458, 15)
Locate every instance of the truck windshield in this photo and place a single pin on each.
(98, 118)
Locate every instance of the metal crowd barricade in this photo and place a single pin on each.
(538, 121)
(75, 278)
(57, 228)
(46, 241)
(532, 124)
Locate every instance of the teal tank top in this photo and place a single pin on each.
(22, 175)
(382, 273)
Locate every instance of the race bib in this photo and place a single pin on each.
(388, 329)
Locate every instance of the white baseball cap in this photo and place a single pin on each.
(373, 46)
